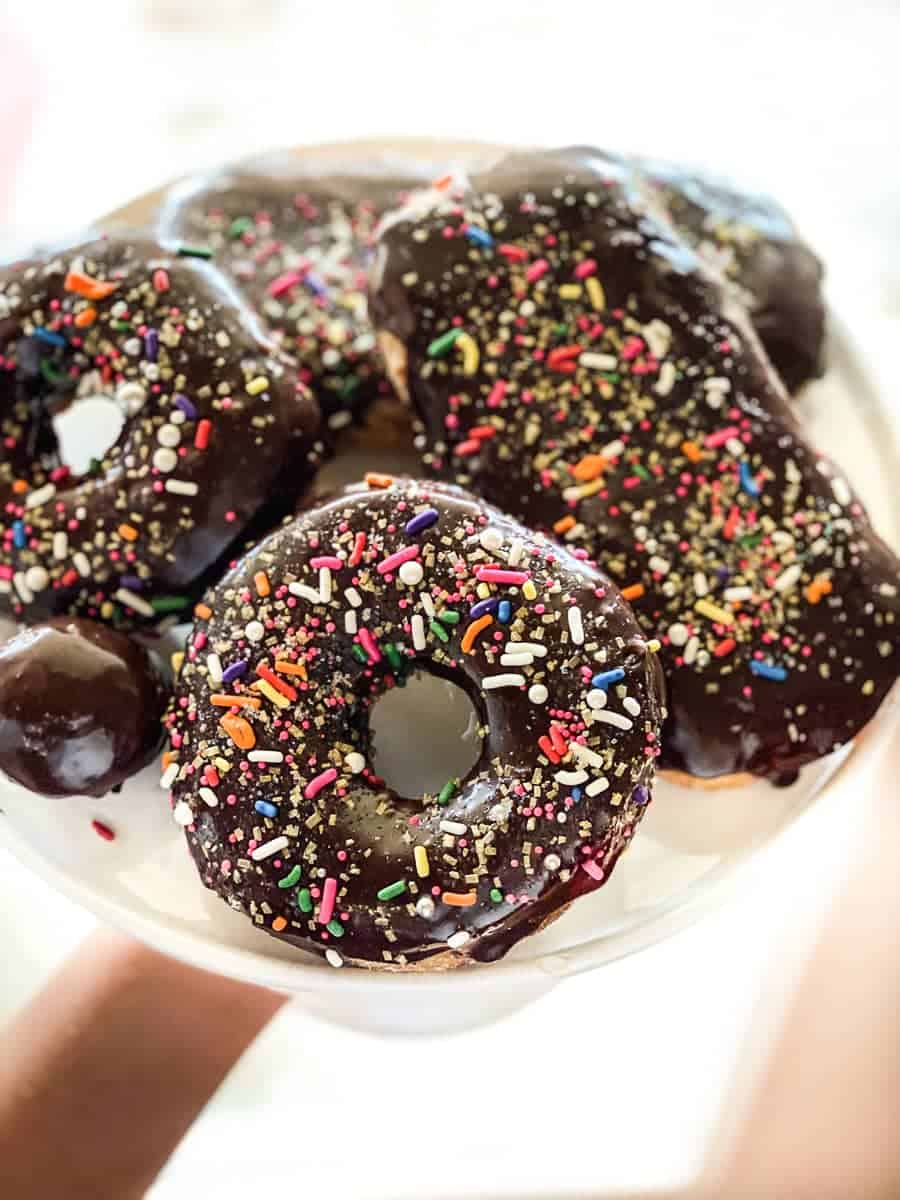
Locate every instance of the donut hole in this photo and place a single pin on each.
(424, 734)
(86, 429)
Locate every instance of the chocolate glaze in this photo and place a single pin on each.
(531, 827)
(81, 708)
(216, 424)
(673, 455)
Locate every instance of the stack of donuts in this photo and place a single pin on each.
(620, 543)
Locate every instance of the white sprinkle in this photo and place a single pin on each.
(596, 786)
(598, 362)
(576, 625)
(666, 380)
(658, 336)
(552, 862)
(701, 584)
(490, 539)
(536, 648)
(411, 573)
(613, 449)
(656, 563)
(350, 623)
(354, 762)
(133, 601)
(586, 754)
(788, 578)
(690, 650)
(214, 667)
(165, 460)
(41, 496)
(737, 593)
(457, 828)
(182, 814)
(333, 958)
(631, 706)
(169, 436)
(418, 632)
(427, 604)
(457, 940)
(266, 756)
(254, 631)
(493, 682)
(182, 487)
(169, 775)
(571, 778)
(131, 396)
(209, 797)
(305, 592)
(82, 565)
(678, 633)
(596, 698)
(516, 660)
(267, 849)
(735, 447)
(841, 491)
(515, 552)
(325, 584)
(608, 717)
(60, 544)
(425, 907)
(538, 694)
(353, 597)
(37, 578)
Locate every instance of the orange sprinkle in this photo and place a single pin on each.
(278, 924)
(288, 668)
(221, 700)
(442, 183)
(589, 467)
(239, 730)
(129, 533)
(691, 451)
(167, 758)
(374, 480)
(817, 589)
(91, 289)
(634, 591)
(20, 486)
(564, 523)
(472, 632)
(203, 611)
(261, 582)
(460, 899)
(86, 317)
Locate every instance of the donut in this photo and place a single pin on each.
(81, 708)
(575, 363)
(271, 763)
(294, 234)
(216, 425)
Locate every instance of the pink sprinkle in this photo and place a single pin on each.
(329, 894)
(395, 560)
(588, 267)
(315, 786)
(536, 270)
(284, 283)
(721, 436)
(368, 644)
(595, 871)
(495, 575)
(496, 394)
(326, 560)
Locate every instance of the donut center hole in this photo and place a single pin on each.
(86, 430)
(423, 735)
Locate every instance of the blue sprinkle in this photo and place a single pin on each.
(315, 284)
(605, 678)
(504, 612)
(48, 336)
(265, 809)
(151, 345)
(476, 234)
(235, 671)
(482, 607)
(182, 402)
(20, 537)
(421, 521)
(748, 483)
(768, 671)
(575, 793)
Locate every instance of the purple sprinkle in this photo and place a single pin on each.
(315, 284)
(640, 795)
(421, 521)
(134, 583)
(235, 671)
(484, 606)
(151, 345)
(182, 402)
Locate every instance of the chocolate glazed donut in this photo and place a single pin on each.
(271, 767)
(575, 363)
(215, 427)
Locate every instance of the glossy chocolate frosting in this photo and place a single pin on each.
(576, 363)
(272, 747)
(216, 427)
(81, 708)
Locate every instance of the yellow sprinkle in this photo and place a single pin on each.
(177, 660)
(529, 591)
(654, 645)
(271, 693)
(106, 610)
(706, 608)
(585, 490)
(468, 347)
(257, 385)
(421, 856)
(570, 291)
(483, 591)
(222, 765)
(596, 292)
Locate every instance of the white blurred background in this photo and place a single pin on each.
(614, 1080)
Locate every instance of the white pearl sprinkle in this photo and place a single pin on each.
(333, 958)
(411, 573)
(596, 698)
(165, 460)
(425, 907)
(169, 435)
(254, 631)
(491, 539)
(538, 694)
(182, 814)
(37, 578)
(355, 762)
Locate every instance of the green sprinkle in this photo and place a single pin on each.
(335, 928)
(641, 472)
(291, 879)
(751, 539)
(304, 900)
(94, 465)
(393, 890)
(239, 226)
(448, 791)
(50, 372)
(611, 377)
(121, 326)
(167, 604)
(439, 347)
(392, 654)
(439, 631)
(496, 895)
(349, 385)
(194, 252)
(359, 654)
(449, 616)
